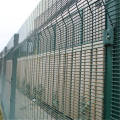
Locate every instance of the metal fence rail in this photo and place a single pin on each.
(64, 63)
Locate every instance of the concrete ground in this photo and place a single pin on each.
(25, 109)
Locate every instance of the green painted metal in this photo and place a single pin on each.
(108, 84)
(65, 66)
(108, 39)
(115, 106)
(14, 79)
(3, 72)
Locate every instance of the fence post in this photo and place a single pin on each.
(108, 83)
(3, 71)
(108, 42)
(13, 78)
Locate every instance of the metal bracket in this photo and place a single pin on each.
(108, 36)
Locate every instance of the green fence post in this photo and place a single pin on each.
(108, 82)
(109, 40)
(4, 58)
(13, 78)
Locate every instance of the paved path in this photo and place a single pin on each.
(28, 110)
(25, 109)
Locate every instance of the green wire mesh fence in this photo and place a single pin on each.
(66, 64)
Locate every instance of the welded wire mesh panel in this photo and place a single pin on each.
(8, 70)
(60, 69)
(62, 63)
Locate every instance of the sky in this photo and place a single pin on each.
(13, 14)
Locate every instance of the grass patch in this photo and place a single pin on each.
(1, 117)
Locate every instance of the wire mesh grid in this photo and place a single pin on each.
(61, 63)
(63, 72)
